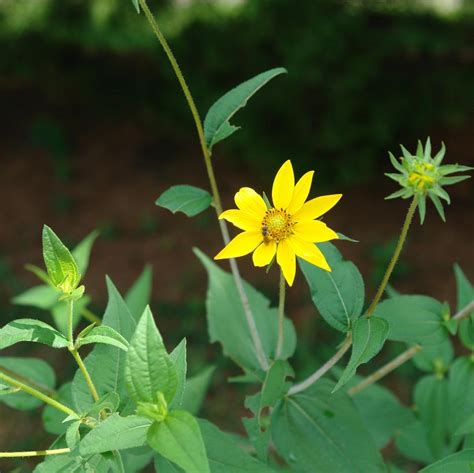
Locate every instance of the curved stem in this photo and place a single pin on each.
(85, 373)
(37, 394)
(263, 361)
(281, 316)
(396, 255)
(34, 453)
(324, 369)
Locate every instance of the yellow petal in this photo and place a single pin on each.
(309, 252)
(264, 254)
(242, 220)
(314, 208)
(301, 192)
(283, 186)
(251, 202)
(243, 244)
(287, 261)
(314, 231)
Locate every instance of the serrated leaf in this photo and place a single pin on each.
(187, 199)
(178, 438)
(105, 335)
(178, 356)
(31, 330)
(139, 295)
(230, 327)
(368, 338)
(148, 367)
(115, 433)
(216, 123)
(60, 264)
(339, 294)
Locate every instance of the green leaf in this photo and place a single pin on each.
(25, 369)
(43, 297)
(196, 390)
(187, 199)
(412, 443)
(178, 438)
(178, 356)
(465, 294)
(431, 396)
(319, 431)
(148, 367)
(461, 462)
(115, 433)
(460, 390)
(435, 358)
(339, 294)
(230, 327)
(136, 459)
(60, 264)
(216, 124)
(139, 295)
(105, 335)
(109, 403)
(368, 338)
(82, 251)
(467, 427)
(31, 330)
(413, 319)
(72, 434)
(52, 418)
(106, 363)
(136, 5)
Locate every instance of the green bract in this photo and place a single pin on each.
(420, 175)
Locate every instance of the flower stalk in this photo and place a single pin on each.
(262, 358)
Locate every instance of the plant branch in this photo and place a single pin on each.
(37, 394)
(28, 381)
(263, 361)
(395, 256)
(34, 453)
(324, 369)
(465, 312)
(85, 373)
(281, 316)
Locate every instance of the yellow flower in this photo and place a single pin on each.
(287, 230)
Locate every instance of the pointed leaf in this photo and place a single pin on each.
(105, 335)
(178, 356)
(139, 295)
(187, 199)
(82, 251)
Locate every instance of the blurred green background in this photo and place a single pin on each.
(94, 127)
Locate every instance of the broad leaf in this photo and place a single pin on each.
(412, 442)
(230, 327)
(465, 295)
(178, 356)
(139, 295)
(43, 297)
(60, 264)
(461, 462)
(178, 439)
(319, 431)
(31, 330)
(31, 371)
(196, 390)
(368, 338)
(116, 433)
(413, 319)
(216, 124)
(187, 199)
(148, 367)
(339, 294)
(105, 335)
(435, 357)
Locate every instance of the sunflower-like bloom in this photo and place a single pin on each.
(288, 229)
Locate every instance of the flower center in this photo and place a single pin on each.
(422, 176)
(277, 225)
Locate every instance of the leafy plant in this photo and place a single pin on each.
(131, 402)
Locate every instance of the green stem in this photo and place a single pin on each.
(263, 361)
(396, 255)
(85, 373)
(28, 381)
(37, 394)
(90, 316)
(70, 316)
(34, 453)
(281, 316)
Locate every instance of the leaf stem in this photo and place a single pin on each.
(395, 256)
(281, 316)
(257, 342)
(28, 381)
(70, 316)
(324, 369)
(402, 358)
(85, 373)
(37, 394)
(34, 453)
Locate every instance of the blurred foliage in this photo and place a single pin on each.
(360, 78)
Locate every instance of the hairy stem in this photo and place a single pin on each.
(263, 361)
(37, 394)
(85, 373)
(324, 369)
(34, 453)
(396, 255)
(402, 358)
(281, 316)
